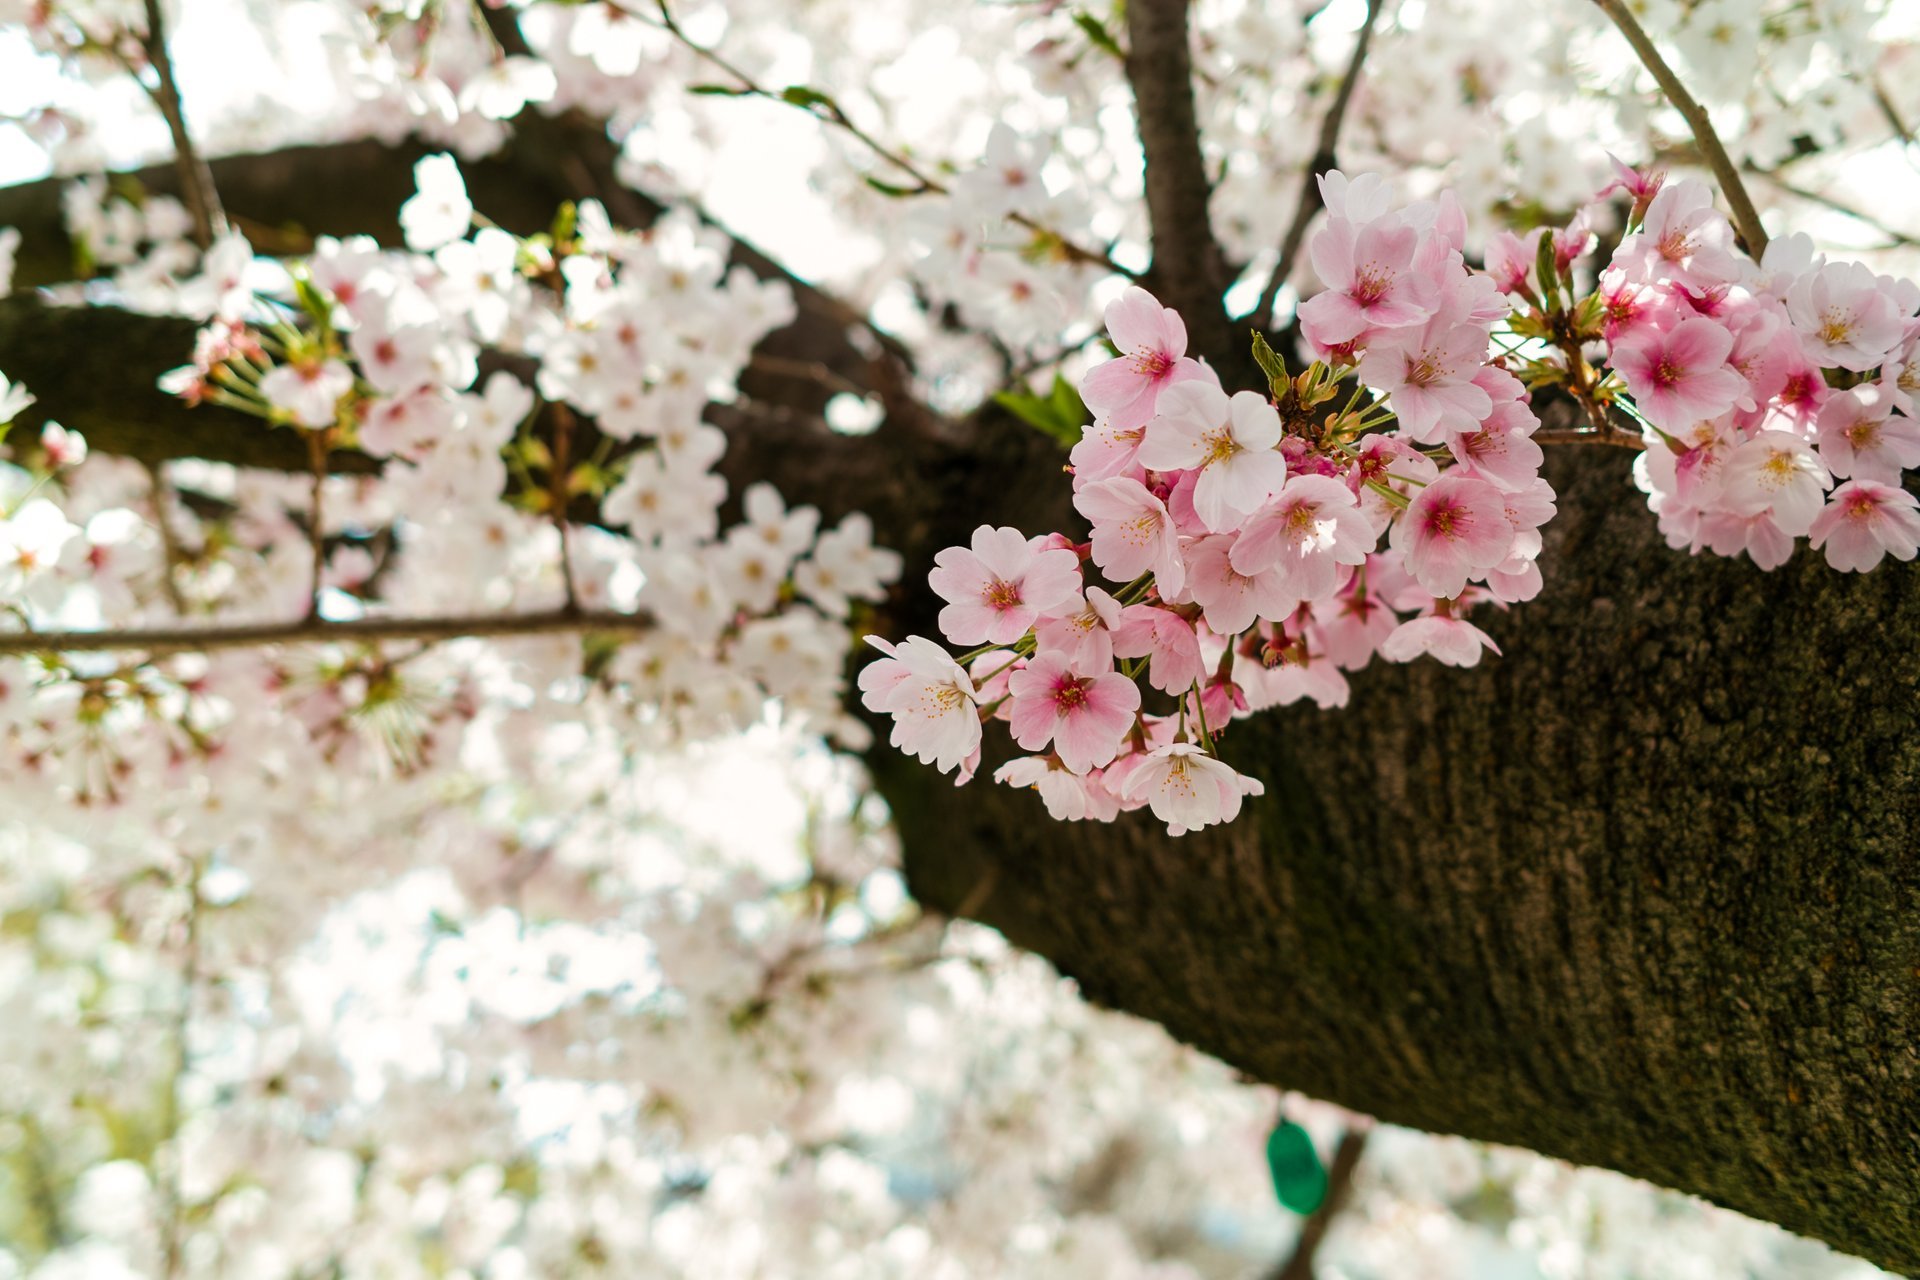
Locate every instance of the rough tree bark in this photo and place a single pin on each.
(1642, 893)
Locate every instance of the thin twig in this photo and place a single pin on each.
(1891, 112)
(172, 1192)
(322, 631)
(559, 483)
(1837, 206)
(1324, 158)
(316, 518)
(825, 109)
(170, 547)
(806, 371)
(1346, 1158)
(196, 179)
(1746, 219)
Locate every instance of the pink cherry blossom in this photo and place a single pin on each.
(1683, 237)
(1232, 600)
(309, 391)
(1082, 635)
(1845, 319)
(1429, 373)
(1153, 355)
(1304, 536)
(1728, 533)
(936, 718)
(1454, 641)
(1681, 376)
(1352, 627)
(1864, 521)
(1777, 473)
(997, 589)
(1454, 528)
(1084, 714)
(1371, 278)
(1511, 259)
(1188, 789)
(1228, 440)
(1105, 451)
(1133, 533)
(1167, 640)
(1862, 437)
(1069, 797)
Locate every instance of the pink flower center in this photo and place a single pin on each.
(1152, 364)
(1861, 506)
(1371, 284)
(1069, 695)
(1667, 373)
(1863, 435)
(1001, 595)
(1799, 389)
(1447, 522)
(1675, 245)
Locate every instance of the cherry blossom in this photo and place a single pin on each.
(1865, 520)
(1680, 376)
(1454, 530)
(1084, 712)
(1133, 533)
(1310, 529)
(930, 697)
(1153, 356)
(1229, 440)
(998, 587)
(1188, 789)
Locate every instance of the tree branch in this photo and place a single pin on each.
(1313, 1232)
(319, 631)
(1746, 219)
(196, 180)
(1324, 158)
(1189, 269)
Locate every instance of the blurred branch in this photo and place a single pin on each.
(1346, 1158)
(1828, 202)
(1746, 219)
(1189, 268)
(824, 108)
(1323, 159)
(196, 179)
(320, 631)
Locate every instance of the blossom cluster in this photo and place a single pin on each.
(1257, 546)
(1778, 397)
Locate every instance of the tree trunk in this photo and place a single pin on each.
(1639, 894)
(1642, 893)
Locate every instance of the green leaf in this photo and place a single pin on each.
(1069, 410)
(1059, 414)
(801, 96)
(718, 90)
(1546, 268)
(892, 190)
(1299, 1179)
(1271, 363)
(1097, 32)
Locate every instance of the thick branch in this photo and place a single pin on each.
(1642, 893)
(1189, 270)
(206, 639)
(1746, 219)
(1324, 158)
